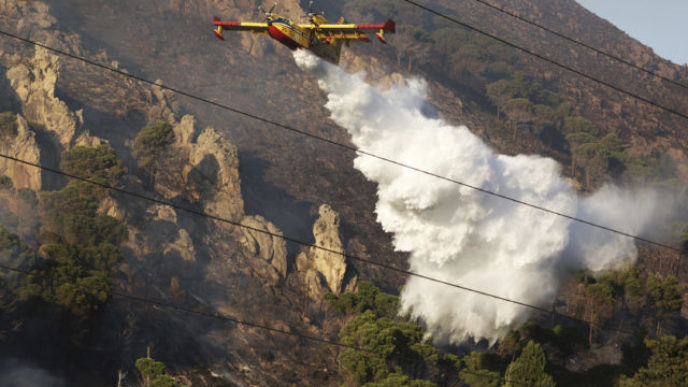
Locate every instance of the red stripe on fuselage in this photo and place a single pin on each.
(228, 24)
(281, 37)
(376, 26)
(388, 26)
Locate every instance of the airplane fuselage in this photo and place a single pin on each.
(323, 39)
(293, 36)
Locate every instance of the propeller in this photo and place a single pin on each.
(310, 14)
(267, 13)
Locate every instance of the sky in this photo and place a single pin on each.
(660, 24)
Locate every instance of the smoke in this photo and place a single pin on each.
(16, 373)
(466, 237)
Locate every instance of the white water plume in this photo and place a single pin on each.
(462, 236)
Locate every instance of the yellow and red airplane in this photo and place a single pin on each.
(323, 39)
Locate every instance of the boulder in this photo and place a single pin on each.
(324, 266)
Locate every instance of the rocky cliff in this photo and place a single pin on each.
(34, 85)
(170, 253)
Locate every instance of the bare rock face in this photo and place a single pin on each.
(324, 270)
(205, 171)
(214, 175)
(270, 247)
(162, 234)
(34, 84)
(110, 207)
(163, 104)
(22, 146)
(183, 246)
(184, 130)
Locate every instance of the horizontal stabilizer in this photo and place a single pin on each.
(218, 33)
(380, 38)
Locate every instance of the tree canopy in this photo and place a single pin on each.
(78, 244)
(667, 366)
(151, 144)
(393, 349)
(529, 368)
(154, 373)
(97, 163)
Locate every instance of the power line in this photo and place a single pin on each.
(224, 317)
(242, 323)
(306, 244)
(219, 316)
(335, 143)
(548, 60)
(582, 44)
(389, 267)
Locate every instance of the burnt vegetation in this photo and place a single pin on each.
(639, 312)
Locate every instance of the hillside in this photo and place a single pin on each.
(174, 150)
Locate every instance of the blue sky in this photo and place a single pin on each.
(660, 24)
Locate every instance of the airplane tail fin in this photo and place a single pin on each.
(389, 26)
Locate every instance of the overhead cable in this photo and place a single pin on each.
(337, 144)
(582, 44)
(302, 243)
(548, 60)
(242, 323)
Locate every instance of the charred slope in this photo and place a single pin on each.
(167, 254)
(172, 41)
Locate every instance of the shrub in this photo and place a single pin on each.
(8, 124)
(28, 196)
(97, 163)
(151, 143)
(6, 182)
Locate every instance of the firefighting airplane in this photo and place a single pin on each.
(323, 39)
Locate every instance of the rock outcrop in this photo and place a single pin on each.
(267, 245)
(182, 245)
(204, 171)
(23, 146)
(163, 108)
(324, 267)
(160, 233)
(34, 83)
(213, 173)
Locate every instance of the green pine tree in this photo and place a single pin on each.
(154, 373)
(529, 368)
(667, 366)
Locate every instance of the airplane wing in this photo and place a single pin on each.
(257, 28)
(353, 31)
